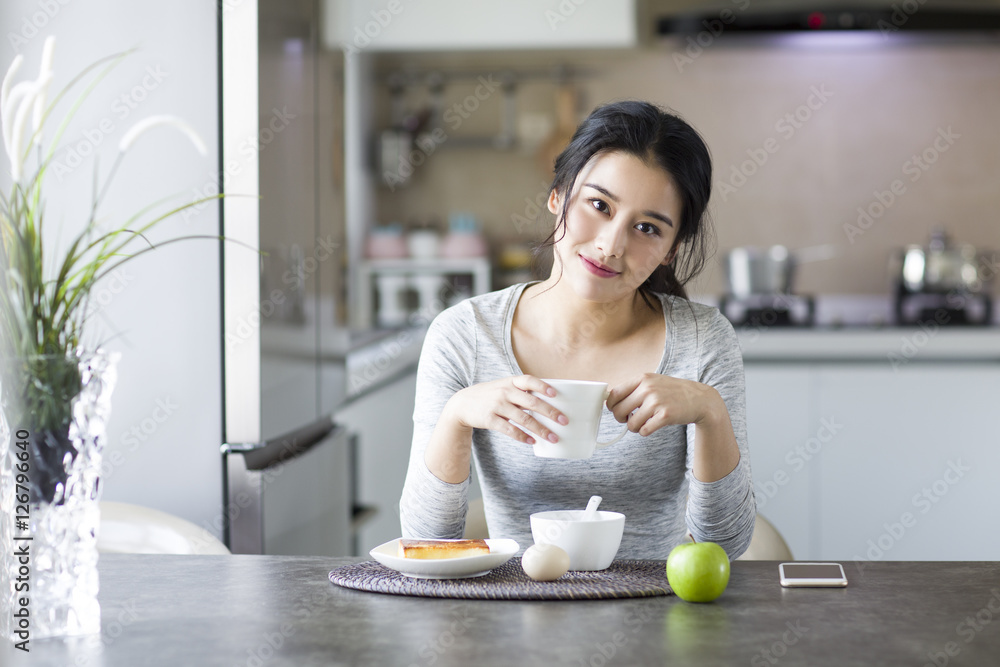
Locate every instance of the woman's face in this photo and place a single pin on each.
(621, 224)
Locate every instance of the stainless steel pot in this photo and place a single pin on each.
(759, 271)
(943, 267)
(771, 270)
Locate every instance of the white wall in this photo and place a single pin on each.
(163, 315)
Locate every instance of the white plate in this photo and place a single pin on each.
(445, 568)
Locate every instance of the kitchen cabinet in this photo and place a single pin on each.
(383, 424)
(912, 476)
(860, 459)
(306, 501)
(778, 421)
(438, 25)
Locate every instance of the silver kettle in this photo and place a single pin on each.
(943, 267)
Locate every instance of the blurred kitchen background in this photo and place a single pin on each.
(440, 152)
(405, 152)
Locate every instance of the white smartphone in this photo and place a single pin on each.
(812, 574)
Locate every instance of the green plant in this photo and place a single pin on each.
(44, 298)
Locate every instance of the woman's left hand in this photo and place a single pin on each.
(652, 401)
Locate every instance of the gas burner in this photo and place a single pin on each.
(769, 310)
(951, 309)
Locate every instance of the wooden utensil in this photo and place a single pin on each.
(563, 132)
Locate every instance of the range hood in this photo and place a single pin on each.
(909, 16)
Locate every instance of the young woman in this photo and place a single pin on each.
(629, 196)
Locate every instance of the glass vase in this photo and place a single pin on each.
(53, 416)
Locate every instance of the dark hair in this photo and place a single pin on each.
(655, 136)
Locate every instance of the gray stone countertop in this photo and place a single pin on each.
(271, 611)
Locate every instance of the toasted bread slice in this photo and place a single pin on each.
(433, 549)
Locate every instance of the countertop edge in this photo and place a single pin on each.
(898, 345)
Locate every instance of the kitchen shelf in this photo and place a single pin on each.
(478, 269)
(429, 265)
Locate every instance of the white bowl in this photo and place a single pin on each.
(591, 545)
(423, 244)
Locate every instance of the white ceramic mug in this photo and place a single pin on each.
(581, 401)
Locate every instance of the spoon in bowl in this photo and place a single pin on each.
(590, 513)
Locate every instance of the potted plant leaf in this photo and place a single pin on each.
(54, 389)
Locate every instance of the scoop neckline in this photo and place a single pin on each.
(508, 323)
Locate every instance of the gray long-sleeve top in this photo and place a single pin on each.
(648, 479)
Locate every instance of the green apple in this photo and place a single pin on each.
(698, 572)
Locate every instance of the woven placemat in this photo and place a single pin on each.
(624, 579)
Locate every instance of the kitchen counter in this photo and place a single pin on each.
(854, 327)
(391, 351)
(388, 353)
(904, 344)
(282, 611)
(369, 359)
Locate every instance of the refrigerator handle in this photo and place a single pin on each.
(242, 480)
(284, 447)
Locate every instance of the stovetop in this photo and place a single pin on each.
(868, 311)
(950, 309)
(770, 310)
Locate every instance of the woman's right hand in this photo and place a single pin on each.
(500, 404)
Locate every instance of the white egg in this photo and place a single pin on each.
(545, 562)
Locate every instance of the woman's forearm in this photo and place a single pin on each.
(449, 451)
(716, 453)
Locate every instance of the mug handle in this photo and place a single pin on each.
(602, 445)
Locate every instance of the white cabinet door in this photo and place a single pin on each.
(913, 473)
(779, 426)
(438, 25)
(383, 422)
